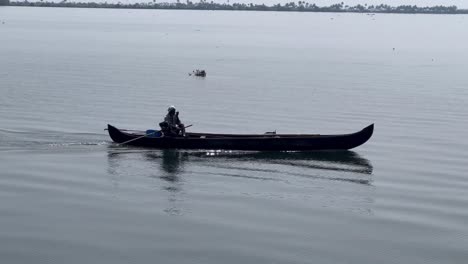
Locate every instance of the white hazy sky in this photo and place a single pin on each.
(459, 3)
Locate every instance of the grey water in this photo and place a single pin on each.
(69, 195)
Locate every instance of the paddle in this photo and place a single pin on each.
(145, 135)
(131, 140)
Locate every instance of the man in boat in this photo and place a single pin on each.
(172, 125)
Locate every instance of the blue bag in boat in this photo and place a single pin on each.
(151, 133)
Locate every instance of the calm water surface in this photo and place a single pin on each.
(68, 195)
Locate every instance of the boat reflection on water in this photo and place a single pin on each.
(327, 160)
(173, 162)
(353, 167)
(175, 170)
(124, 162)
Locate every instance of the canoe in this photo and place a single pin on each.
(258, 142)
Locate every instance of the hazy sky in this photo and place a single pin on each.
(459, 3)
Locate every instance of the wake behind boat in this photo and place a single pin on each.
(257, 142)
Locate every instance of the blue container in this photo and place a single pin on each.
(151, 133)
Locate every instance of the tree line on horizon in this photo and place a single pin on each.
(301, 6)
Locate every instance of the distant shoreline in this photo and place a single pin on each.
(300, 6)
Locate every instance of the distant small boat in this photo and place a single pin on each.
(199, 73)
(260, 142)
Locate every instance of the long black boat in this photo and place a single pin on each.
(258, 142)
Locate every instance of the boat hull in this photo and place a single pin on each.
(275, 142)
